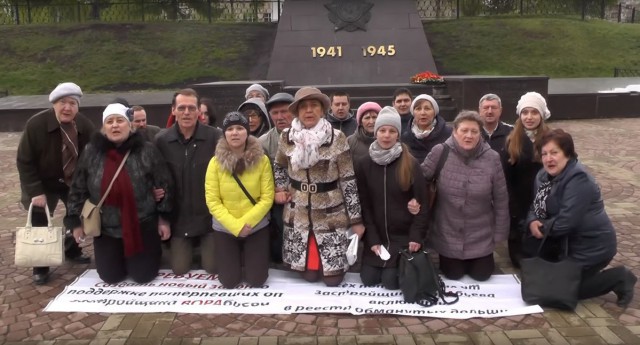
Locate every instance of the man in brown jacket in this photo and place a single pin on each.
(51, 143)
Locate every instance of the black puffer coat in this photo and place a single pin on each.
(146, 168)
(420, 148)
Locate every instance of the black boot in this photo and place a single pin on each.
(40, 275)
(626, 290)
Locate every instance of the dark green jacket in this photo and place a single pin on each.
(39, 157)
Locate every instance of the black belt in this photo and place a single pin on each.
(314, 187)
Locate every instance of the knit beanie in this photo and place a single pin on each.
(256, 87)
(533, 100)
(388, 116)
(65, 90)
(235, 118)
(365, 107)
(431, 100)
(115, 109)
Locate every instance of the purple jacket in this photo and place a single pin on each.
(472, 205)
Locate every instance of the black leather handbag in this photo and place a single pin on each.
(419, 280)
(548, 283)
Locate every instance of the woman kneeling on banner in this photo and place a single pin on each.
(568, 205)
(133, 222)
(314, 175)
(472, 205)
(239, 192)
(388, 178)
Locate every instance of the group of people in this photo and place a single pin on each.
(290, 178)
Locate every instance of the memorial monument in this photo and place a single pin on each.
(334, 42)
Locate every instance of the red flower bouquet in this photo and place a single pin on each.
(427, 77)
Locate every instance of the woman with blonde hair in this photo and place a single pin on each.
(521, 164)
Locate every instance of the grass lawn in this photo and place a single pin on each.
(121, 57)
(557, 47)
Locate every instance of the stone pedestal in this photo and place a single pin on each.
(349, 42)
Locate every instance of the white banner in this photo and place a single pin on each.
(284, 293)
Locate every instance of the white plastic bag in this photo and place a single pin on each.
(352, 250)
(384, 253)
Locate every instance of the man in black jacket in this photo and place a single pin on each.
(340, 115)
(188, 146)
(495, 131)
(51, 143)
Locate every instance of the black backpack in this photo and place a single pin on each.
(419, 281)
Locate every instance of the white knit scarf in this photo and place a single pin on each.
(307, 142)
(420, 134)
(384, 156)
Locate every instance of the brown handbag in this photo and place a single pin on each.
(90, 215)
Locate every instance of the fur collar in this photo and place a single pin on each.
(102, 144)
(253, 153)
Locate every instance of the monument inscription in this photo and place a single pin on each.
(349, 42)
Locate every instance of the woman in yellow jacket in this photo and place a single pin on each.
(239, 191)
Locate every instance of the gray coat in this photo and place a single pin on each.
(576, 209)
(472, 204)
(188, 162)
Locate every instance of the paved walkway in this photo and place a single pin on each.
(608, 147)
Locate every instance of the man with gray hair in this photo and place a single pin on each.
(495, 131)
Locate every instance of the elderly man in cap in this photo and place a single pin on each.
(278, 108)
(47, 155)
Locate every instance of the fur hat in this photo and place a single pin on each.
(115, 109)
(235, 118)
(256, 87)
(533, 100)
(388, 116)
(309, 92)
(365, 107)
(431, 100)
(66, 90)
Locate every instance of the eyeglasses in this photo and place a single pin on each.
(251, 114)
(184, 108)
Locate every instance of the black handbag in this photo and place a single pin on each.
(548, 283)
(419, 280)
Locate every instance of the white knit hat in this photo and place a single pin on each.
(256, 87)
(115, 109)
(388, 116)
(65, 90)
(533, 100)
(431, 100)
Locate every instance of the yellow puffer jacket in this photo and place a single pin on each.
(225, 199)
